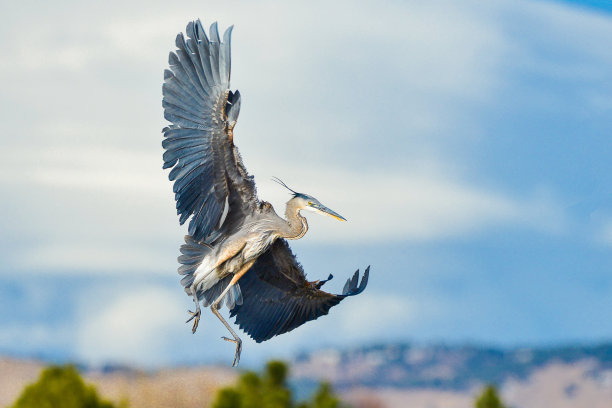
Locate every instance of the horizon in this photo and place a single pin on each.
(299, 356)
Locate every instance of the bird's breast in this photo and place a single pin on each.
(257, 245)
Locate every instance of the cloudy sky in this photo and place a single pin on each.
(468, 143)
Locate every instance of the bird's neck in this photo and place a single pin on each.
(296, 225)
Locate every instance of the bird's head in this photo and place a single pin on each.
(309, 203)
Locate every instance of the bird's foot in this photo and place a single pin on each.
(195, 316)
(238, 343)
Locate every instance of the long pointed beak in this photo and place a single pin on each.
(331, 213)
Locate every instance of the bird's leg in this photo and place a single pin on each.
(217, 304)
(227, 253)
(195, 316)
(235, 340)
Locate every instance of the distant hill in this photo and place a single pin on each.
(452, 368)
(397, 375)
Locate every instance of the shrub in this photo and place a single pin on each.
(489, 398)
(270, 390)
(60, 387)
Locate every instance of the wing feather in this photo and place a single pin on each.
(213, 35)
(184, 71)
(205, 165)
(277, 298)
(204, 52)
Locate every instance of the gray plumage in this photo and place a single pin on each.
(232, 234)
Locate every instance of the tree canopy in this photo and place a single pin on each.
(60, 387)
(270, 390)
(489, 398)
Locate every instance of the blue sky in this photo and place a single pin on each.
(468, 145)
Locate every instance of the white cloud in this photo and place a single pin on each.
(598, 225)
(369, 106)
(144, 324)
(132, 327)
(112, 204)
(377, 312)
(424, 203)
(98, 168)
(89, 209)
(79, 258)
(606, 233)
(72, 170)
(35, 338)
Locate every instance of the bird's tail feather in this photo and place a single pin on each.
(232, 298)
(192, 255)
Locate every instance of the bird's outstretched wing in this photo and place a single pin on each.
(277, 298)
(211, 185)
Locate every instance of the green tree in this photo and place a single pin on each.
(270, 390)
(323, 398)
(60, 387)
(489, 398)
(228, 398)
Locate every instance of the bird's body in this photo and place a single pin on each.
(254, 237)
(236, 251)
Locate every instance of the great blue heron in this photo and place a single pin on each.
(232, 234)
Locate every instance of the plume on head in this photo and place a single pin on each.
(310, 203)
(282, 183)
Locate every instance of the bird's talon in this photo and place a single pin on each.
(238, 352)
(238, 343)
(195, 316)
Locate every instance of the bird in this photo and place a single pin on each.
(236, 251)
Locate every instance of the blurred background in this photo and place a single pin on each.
(468, 143)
